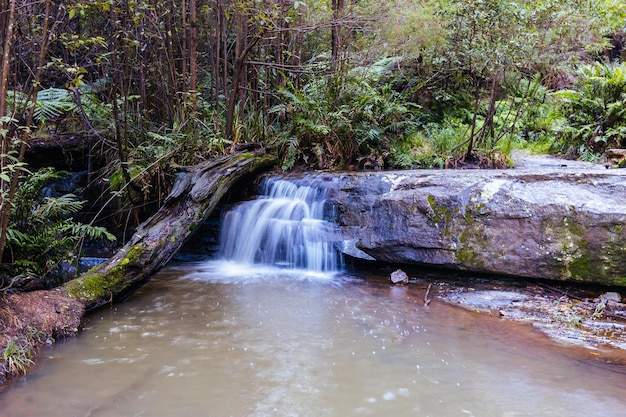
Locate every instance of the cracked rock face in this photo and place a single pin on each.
(547, 218)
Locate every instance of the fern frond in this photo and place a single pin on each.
(52, 103)
(58, 207)
(15, 237)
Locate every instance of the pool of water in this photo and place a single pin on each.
(213, 339)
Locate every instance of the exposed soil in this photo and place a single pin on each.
(30, 320)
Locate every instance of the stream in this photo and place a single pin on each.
(274, 325)
(213, 338)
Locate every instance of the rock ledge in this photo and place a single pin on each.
(547, 218)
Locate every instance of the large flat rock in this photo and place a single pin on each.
(547, 218)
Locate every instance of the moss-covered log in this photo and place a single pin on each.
(194, 196)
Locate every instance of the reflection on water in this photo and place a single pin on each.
(207, 339)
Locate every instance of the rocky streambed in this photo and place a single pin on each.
(547, 226)
(588, 317)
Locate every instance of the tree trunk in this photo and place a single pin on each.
(5, 139)
(193, 67)
(6, 205)
(194, 196)
(470, 144)
(336, 32)
(240, 62)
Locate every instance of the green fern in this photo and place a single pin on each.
(42, 232)
(592, 115)
(343, 118)
(56, 207)
(52, 103)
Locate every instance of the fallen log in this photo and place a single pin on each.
(194, 196)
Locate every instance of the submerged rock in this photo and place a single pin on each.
(548, 219)
(399, 277)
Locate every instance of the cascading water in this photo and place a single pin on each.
(283, 227)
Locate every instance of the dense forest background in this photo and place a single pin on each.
(151, 85)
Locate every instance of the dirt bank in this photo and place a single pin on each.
(31, 320)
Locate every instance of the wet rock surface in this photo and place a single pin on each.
(548, 218)
(572, 316)
(399, 277)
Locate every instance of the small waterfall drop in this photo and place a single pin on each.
(283, 227)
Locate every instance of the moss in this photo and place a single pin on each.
(574, 227)
(102, 283)
(467, 255)
(580, 266)
(432, 203)
(442, 215)
(469, 234)
(619, 281)
(471, 241)
(583, 262)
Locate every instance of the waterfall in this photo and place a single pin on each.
(283, 227)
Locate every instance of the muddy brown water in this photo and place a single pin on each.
(209, 339)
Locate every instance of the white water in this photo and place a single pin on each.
(284, 227)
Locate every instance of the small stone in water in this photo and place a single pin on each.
(399, 276)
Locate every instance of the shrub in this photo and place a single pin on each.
(591, 116)
(42, 233)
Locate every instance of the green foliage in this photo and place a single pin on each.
(535, 122)
(53, 103)
(11, 166)
(42, 232)
(592, 115)
(432, 146)
(342, 119)
(136, 96)
(16, 356)
(406, 28)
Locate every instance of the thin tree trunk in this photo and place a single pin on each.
(489, 129)
(29, 122)
(193, 66)
(224, 50)
(217, 52)
(116, 117)
(234, 94)
(470, 144)
(173, 84)
(336, 41)
(185, 51)
(5, 203)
